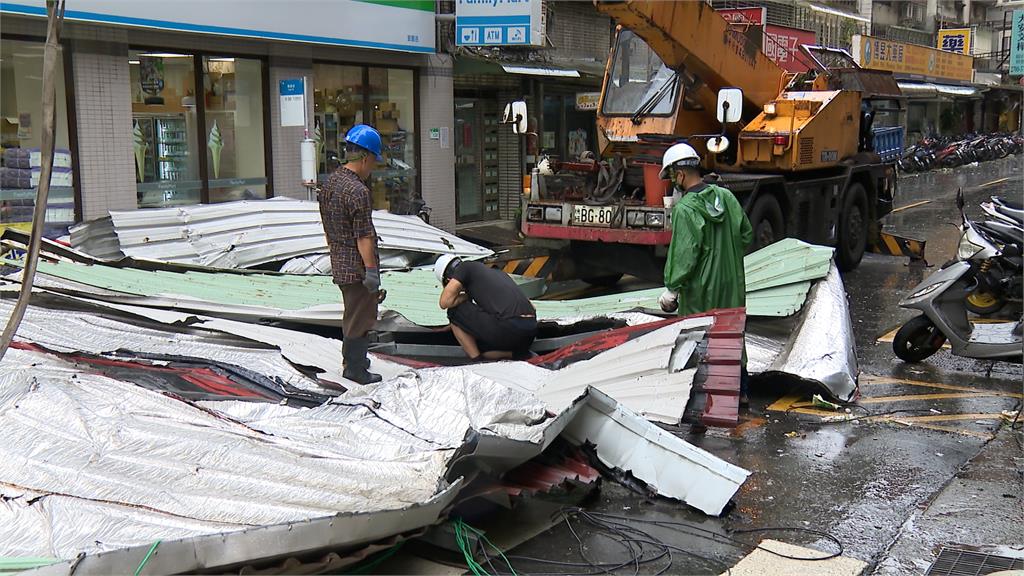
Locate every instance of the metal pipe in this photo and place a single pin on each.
(51, 51)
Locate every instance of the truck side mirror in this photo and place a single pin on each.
(730, 105)
(515, 114)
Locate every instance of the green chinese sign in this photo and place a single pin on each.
(1017, 44)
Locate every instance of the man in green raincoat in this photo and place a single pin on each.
(710, 233)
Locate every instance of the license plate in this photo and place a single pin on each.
(592, 215)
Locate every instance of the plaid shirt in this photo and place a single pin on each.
(346, 213)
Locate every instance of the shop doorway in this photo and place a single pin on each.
(476, 159)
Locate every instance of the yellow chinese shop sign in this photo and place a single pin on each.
(903, 58)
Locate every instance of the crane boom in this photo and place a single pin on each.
(690, 35)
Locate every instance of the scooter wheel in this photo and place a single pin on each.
(983, 303)
(917, 339)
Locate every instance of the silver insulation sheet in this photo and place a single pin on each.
(92, 463)
(67, 330)
(820, 349)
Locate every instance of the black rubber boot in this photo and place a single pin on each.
(353, 350)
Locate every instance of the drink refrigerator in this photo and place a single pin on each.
(161, 143)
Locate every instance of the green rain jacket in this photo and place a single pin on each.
(710, 233)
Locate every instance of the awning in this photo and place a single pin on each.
(532, 71)
(932, 90)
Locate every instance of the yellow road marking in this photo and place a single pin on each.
(994, 182)
(946, 396)
(870, 380)
(941, 417)
(909, 206)
(982, 435)
(535, 266)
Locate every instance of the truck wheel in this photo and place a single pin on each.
(766, 220)
(917, 340)
(604, 281)
(853, 228)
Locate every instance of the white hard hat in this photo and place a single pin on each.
(442, 264)
(681, 155)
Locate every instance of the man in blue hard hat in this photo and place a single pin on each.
(346, 210)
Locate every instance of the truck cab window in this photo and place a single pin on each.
(637, 75)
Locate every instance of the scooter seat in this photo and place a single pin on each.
(1006, 233)
(1017, 215)
(1013, 205)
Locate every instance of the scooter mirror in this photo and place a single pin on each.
(960, 199)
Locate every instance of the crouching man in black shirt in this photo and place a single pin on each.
(489, 315)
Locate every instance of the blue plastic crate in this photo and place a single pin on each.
(888, 142)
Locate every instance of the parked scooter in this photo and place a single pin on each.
(941, 297)
(999, 278)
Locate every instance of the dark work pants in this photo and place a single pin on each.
(360, 310)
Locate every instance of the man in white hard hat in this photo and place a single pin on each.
(489, 315)
(710, 233)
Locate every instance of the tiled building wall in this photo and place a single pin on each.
(578, 30)
(103, 106)
(437, 171)
(284, 140)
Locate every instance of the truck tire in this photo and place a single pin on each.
(853, 228)
(767, 221)
(918, 339)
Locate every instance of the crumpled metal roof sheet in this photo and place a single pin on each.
(128, 466)
(246, 233)
(821, 349)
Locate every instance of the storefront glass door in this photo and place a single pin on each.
(468, 156)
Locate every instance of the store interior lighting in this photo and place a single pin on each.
(164, 55)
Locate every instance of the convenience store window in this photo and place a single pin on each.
(393, 114)
(193, 145)
(345, 95)
(235, 154)
(21, 124)
(165, 128)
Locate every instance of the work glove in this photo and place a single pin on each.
(372, 280)
(669, 301)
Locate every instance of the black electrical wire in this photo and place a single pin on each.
(642, 549)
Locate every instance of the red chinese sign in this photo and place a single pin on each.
(782, 45)
(753, 16)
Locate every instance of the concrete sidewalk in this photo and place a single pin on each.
(982, 508)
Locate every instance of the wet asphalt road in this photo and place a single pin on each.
(860, 482)
(857, 481)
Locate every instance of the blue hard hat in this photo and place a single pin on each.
(365, 137)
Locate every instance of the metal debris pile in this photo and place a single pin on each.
(161, 410)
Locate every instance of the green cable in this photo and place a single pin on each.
(462, 540)
(146, 558)
(377, 561)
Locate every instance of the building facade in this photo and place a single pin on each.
(160, 108)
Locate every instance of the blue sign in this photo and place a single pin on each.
(498, 23)
(292, 87)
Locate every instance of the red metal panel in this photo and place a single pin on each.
(621, 235)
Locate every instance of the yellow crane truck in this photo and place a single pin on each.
(790, 146)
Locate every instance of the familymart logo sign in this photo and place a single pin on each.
(499, 23)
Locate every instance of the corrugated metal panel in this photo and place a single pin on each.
(303, 298)
(785, 262)
(777, 282)
(248, 233)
